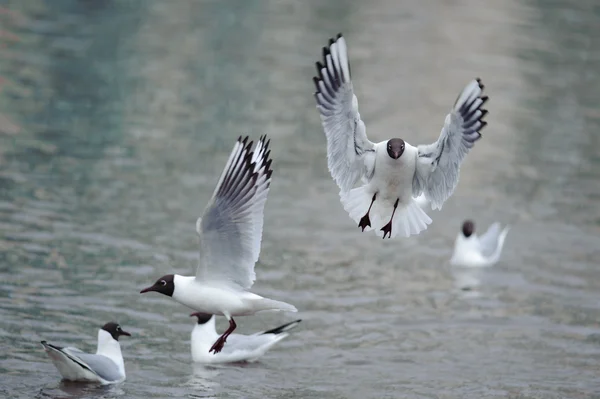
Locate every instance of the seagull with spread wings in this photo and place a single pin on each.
(230, 233)
(393, 172)
(471, 250)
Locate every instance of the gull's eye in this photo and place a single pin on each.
(119, 328)
(163, 282)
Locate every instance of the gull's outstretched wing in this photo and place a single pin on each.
(350, 154)
(492, 242)
(230, 229)
(438, 164)
(489, 240)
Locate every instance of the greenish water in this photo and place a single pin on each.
(116, 118)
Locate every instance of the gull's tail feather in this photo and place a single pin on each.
(265, 304)
(283, 328)
(356, 202)
(408, 220)
(422, 201)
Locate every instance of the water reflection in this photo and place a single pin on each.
(204, 379)
(73, 390)
(467, 281)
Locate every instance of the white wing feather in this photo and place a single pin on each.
(230, 228)
(438, 164)
(350, 154)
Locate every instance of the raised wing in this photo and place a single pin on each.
(438, 164)
(350, 154)
(230, 229)
(488, 242)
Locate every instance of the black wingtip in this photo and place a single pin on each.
(283, 328)
(268, 161)
(339, 35)
(316, 82)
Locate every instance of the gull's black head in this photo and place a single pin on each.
(164, 285)
(202, 317)
(115, 330)
(395, 148)
(468, 228)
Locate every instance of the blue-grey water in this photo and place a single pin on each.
(116, 118)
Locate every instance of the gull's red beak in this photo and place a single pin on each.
(149, 289)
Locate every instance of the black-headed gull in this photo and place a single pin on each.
(473, 251)
(240, 348)
(230, 232)
(392, 171)
(106, 366)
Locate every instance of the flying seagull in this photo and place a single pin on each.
(392, 171)
(230, 232)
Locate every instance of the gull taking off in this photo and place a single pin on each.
(473, 251)
(230, 232)
(239, 347)
(105, 367)
(393, 172)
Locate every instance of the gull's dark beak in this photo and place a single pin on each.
(396, 154)
(125, 333)
(195, 314)
(149, 289)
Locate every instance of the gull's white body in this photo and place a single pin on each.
(106, 366)
(230, 235)
(430, 170)
(239, 348)
(475, 251)
(392, 181)
(221, 299)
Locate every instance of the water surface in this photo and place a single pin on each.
(116, 118)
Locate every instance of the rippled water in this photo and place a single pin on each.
(117, 116)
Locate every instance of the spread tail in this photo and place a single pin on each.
(408, 220)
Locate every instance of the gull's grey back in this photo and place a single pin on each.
(99, 364)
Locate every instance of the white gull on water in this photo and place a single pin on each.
(239, 348)
(230, 232)
(471, 250)
(106, 366)
(393, 172)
